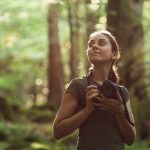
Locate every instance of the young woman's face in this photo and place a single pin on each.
(99, 48)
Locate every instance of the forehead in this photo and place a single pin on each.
(98, 36)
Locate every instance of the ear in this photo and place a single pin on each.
(114, 55)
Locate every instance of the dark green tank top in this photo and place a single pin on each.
(100, 130)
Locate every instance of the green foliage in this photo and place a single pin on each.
(145, 145)
(40, 116)
(20, 136)
(146, 23)
(23, 47)
(29, 136)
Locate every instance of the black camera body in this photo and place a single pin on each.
(108, 89)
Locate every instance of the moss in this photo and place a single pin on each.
(40, 116)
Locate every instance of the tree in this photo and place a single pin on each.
(124, 20)
(73, 20)
(55, 71)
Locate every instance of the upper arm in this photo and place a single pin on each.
(130, 111)
(126, 98)
(67, 108)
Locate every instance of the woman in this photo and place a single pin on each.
(104, 123)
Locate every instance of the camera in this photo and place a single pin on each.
(108, 89)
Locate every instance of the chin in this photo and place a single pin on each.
(95, 61)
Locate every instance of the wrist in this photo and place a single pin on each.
(88, 110)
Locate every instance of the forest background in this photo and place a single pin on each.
(42, 47)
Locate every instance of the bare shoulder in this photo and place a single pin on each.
(70, 100)
(67, 107)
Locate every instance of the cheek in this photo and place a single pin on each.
(108, 54)
(107, 50)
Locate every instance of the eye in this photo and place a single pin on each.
(101, 42)
(91, 43)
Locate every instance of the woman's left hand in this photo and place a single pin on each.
(113, 105)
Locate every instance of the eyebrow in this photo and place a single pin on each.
(90, 40)
(102, 39)
(98, 39)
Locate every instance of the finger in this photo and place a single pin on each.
(92, 92)
(106, 101)
(102, 95)
(97, 104)
(99, 99)
(91, 87)
(95, 100)
(92, 95)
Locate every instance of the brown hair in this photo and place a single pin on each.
(113, 74)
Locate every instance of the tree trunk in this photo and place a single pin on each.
(124, 20)
(74, 37)
(6, 110)
(55, 71)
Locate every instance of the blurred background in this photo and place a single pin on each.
(42, 47)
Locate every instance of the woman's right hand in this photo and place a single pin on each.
(91, 93)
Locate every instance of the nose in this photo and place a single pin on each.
(94, 46)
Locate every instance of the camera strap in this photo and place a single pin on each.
(88, 77)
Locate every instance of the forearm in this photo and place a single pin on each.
(67, 126)
(127, 130)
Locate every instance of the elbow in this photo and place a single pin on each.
(57, 135)
(130, 141)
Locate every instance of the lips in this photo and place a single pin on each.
(96, 52)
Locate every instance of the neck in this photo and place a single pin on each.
(100, 73)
